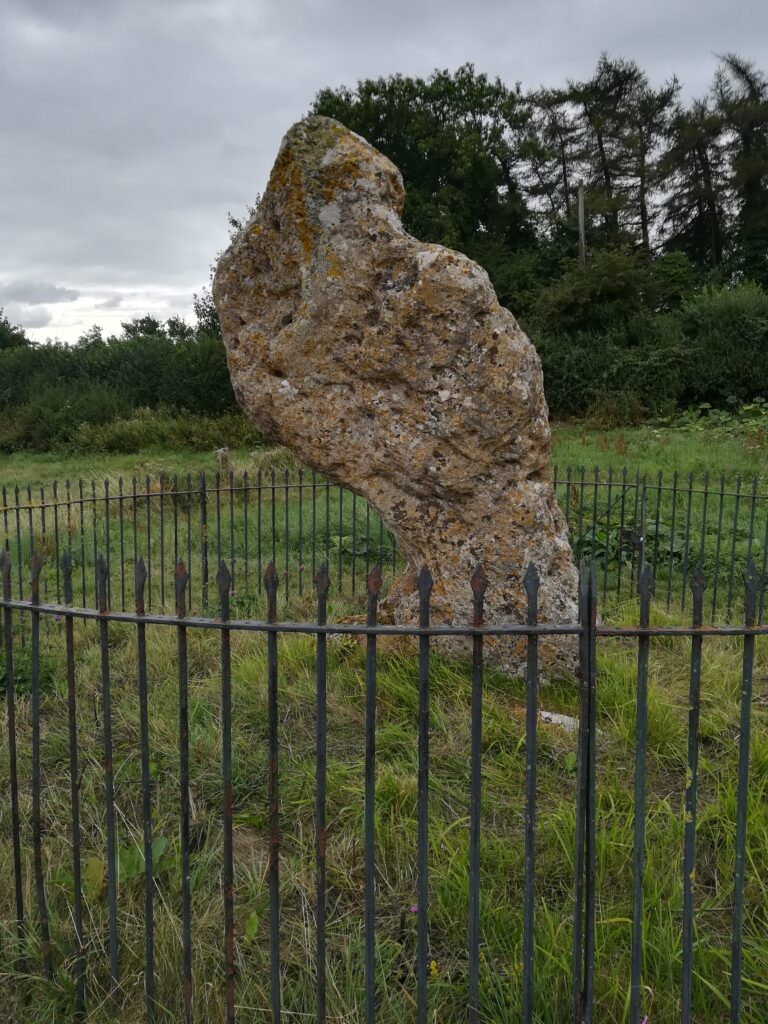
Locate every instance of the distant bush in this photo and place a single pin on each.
(148, 429)
(726, 332)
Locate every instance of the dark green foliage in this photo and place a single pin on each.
(78, 396)
(10, 336)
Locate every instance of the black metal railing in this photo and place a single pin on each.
(298, 520)
(28, 947)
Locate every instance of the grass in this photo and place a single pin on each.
(24, 994)
(645, 448)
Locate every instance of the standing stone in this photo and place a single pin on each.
(388, 365)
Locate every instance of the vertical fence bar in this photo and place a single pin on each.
(162, 538)
(322, 583)
(74, 790)
(301, 532)
(140, 579)
(645, 590)
(531, 583)
(580, 520)
(763, 580)
(687, 541)
(716, 572)
(246, 486)
(224, 582)
(751, 533)
(203, 541)
(704, 517)
(19, 555)
(656, 524)
(148, 511)
(232, 528)
(314, 523)
(10, 695)
(635, 544)
(181, 578)
(271, 581)
(120, 501)
(568, 497)
(56, 539)
(736, 503)
(82, 539)
(590, 903)
(606, 553)
(374, 587)
(134, 523)
(750, 595)
(218, 520)
(189, 537)
(286, 504)
(672, 537)
(37, 844)
(593, 532)
(341, 539)
(622, 527)
(258, 528)
(479, 585)
(354, 542)
(692, 779)
(175, 507)
(109, 791)
(577, 958)
(422, 853)
(327, 522)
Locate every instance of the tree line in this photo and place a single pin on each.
(669, 309)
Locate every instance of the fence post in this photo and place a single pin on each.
(10, 694)
(584, 849)
(479, 585)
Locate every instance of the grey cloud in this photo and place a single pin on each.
(136, 124)
(29, 318)
(34, 293)
(111, 303)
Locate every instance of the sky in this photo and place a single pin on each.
(130, 128)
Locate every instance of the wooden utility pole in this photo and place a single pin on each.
(582, 239)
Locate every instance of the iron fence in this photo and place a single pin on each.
(296, 520)
(29, 945)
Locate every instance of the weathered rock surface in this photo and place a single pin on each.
(389, 366)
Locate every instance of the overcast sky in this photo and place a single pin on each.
(129, 128)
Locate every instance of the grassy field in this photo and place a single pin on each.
(647, 449)
(25, 996)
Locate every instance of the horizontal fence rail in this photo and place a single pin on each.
(92, 958)
(297, 520)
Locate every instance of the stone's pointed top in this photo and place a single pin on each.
(373, 582)
(66, 563)
(322, 581)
